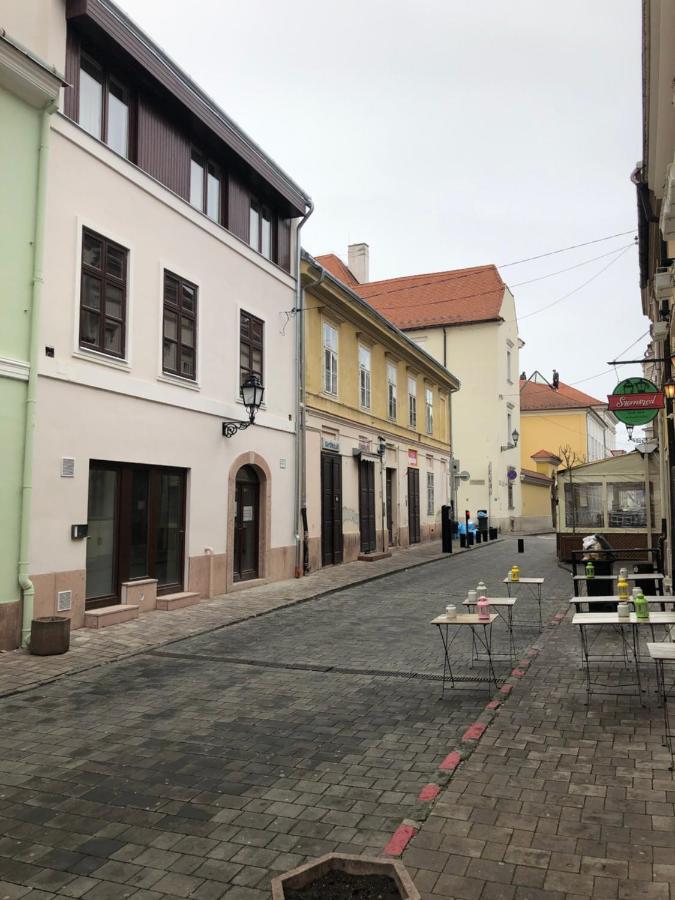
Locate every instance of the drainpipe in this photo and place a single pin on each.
(26, 585)
(299, 498)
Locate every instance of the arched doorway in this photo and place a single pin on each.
(246, 524)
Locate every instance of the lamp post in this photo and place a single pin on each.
(251, 393)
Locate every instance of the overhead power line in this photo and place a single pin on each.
(458, 276)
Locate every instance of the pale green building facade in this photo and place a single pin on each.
(29, 90)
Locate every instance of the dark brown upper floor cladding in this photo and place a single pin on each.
(147, 110)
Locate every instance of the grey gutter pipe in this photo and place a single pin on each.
(299, 493)
(26, 585)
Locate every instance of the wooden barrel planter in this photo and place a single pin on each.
(49, 635)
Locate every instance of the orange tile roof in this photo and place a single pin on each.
(337, 268)
(534, 396)
(544, 454)
(456, 297)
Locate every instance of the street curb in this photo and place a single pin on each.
(256, 615)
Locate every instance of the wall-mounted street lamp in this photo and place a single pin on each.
(669, 390)
(515, 434)
(251, 393)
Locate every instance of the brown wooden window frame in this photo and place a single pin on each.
(178, 309)
(208, 166)
(263, 212)
(105, 279)
(106, 77)
(250, 343)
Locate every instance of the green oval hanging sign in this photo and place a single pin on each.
(635, 401)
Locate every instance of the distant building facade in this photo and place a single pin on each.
(377, 427)
(466, 320)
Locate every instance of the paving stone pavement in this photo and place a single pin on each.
(182, 773)
(90, 648)
(559, 800)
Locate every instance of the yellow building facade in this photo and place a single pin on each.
(377, 424)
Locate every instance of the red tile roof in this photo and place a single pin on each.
(544, 454)
(534, 396)
(456, 297)
(536, 476)
(337, 268)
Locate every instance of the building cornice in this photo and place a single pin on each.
(27, 76)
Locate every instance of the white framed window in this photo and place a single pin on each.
(330, 359)
(412, 402)
(431, 500)
(364, 376)
(429, 410)
(508, 367)
(391, 390)
(509, 429)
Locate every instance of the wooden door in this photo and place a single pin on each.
(391, 474)
(367, 505)
(331, 509)
(246, 525)
(413, 506)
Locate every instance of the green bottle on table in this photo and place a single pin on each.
(641, 606)
(590, 570)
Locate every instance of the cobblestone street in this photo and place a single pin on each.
(183, 772)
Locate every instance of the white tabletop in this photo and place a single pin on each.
(612, 618)
(609, 598)
(522, 580)
(631, 576)
(465, 619)
(494, 601)
(663, 650)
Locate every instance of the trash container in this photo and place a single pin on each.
(494, 533)
(483, 523)
(49, 635)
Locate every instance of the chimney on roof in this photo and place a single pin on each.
(358, 262)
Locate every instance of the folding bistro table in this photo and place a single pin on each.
(601, 620)
(661, 653)
(503, 607)
(534, 585)
(481, 631)
(608, 600)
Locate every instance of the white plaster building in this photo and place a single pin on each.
(169, 264)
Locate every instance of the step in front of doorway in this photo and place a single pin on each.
(110, 615)
(169, 602)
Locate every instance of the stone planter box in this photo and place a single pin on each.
(49, 636)
(303, 876)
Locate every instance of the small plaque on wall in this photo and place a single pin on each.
(247, 514)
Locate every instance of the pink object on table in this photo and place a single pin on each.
(483, 608)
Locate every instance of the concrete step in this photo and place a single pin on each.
(179, 600)
(110, 615)
(374, 556)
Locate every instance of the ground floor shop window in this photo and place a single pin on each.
(136, 519)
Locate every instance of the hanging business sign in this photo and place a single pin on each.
(635, 401)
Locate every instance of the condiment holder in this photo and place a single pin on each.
(623, 609)
(450, 611)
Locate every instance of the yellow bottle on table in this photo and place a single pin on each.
(515, 573)
(623, 589)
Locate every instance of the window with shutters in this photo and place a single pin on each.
(330, 359)
(179, 335)
(429, 410)
(391, 391)
(103, 295)
(364, 376)
(412, 402)
(431, 501)
(251, 337)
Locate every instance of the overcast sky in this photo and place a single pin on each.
(448, 134)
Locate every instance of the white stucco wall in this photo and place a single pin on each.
(90, 406)
(477, 355)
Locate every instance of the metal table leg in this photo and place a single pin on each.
(486, 641)
(584, 653)
(446, 658)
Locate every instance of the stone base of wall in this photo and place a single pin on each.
(142, 593)
(207, 574)
(534, 523)
(48, 585)
(10, 625)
